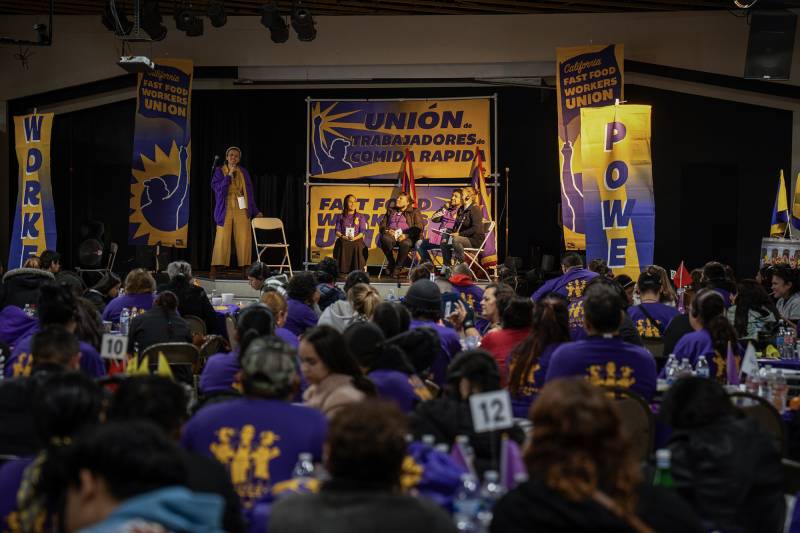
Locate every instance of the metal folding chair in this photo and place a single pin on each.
(268, 224)
(473, 254)
(196, 325)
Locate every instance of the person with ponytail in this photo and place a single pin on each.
(221, 373)
(192, 299)
(362, 299)
(753, 311)
(528, 362)
(280, 309)
(711, 336)
(331, 371)
(160, 324)
(651, 317)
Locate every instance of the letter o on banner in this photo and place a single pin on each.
(621, 169)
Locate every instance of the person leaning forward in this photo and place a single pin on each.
(400, 226)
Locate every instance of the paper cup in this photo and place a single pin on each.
(216, 300)
(227, 298)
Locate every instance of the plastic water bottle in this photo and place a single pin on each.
(788, 342)
(663, 475)
(780, 338)
(701, 369)
(491, 492)
(304, 467)
(442, 448)
(392, 296)
(780, 390)
(467, 504)
(685, 369)
(124, 320)
(671, 369)
(765, 386)
(428, 440)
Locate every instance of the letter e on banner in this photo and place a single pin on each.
(491, 411)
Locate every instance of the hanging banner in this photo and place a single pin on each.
(159, 204)
(586, 76)
(618, 186)
(367, 139)
(776, 251)
(35, 216)
(326, 205)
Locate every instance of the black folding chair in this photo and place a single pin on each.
(765, 415)
(637, 419)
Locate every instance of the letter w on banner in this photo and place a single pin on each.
(489, 256)
(618, 186)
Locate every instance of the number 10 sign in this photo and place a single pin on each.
(491, 411)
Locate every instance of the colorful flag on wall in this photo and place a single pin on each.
(478, 181)
(780, 211)
(407, 183)
(34, 229)
(796, 204)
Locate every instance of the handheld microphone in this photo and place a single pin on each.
(214, 164)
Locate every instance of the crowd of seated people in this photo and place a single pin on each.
(374, 394)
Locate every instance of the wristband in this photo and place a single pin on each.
(469, 324)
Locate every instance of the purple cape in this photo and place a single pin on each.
(220, 183)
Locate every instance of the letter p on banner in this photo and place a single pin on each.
(618, 186)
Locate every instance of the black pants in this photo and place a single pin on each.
(457, 248)
(388, 242)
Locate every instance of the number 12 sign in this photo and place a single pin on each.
(491, 411)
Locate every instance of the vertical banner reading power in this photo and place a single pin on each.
(618, 186)
(35, 217)
(162, 154)
(587, 76)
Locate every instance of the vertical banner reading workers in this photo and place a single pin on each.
(587, 76)
(618, 186)
(35, 217)
(159, 204)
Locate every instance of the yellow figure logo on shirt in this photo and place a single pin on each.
(529, 386)
(411, 473)
(610, 376)
(721, 363)
(575, 289)
(575, 314)
(22, 366)
(247, 459)
(647, 330)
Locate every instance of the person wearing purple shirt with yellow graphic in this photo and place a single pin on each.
(529, 360)
(400, 226)
(446, 218)
(303, 296)
(57, 307)
(603, 357)
(651, 317)
(259, 437)
(424, 302)
(350, 250)
(711, 336)
(139, 289)
(572, 283)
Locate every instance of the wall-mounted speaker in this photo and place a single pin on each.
(770, 45)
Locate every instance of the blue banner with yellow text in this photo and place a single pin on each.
(162, 154)
(619, 207)
(367, 139)
(34, 229)
(586, 76)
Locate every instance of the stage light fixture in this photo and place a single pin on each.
(272, 20)
(187, 20)
(115, 19)
(216, 14)
(150, 20)
(303, 24)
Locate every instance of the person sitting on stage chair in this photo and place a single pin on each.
(401, 226)
(469, 230)
(446, 217)
(235, 206)
(350, 250)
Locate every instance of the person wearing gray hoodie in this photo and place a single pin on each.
(360, 304)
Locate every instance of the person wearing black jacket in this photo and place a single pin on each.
(192, 300)
(159, 324)
(469, 230)
(400, 226)
(21, 286)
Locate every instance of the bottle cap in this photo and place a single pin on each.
(663, 454)
(305, 457)
(491, 475)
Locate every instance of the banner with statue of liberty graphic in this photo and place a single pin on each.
(159, 203)
(367, 139)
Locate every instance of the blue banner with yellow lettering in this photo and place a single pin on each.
(34, 229)
(586, 76)
(162, 155)
(618, 186)
(367, 139)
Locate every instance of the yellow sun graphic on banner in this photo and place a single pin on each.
(159, 203)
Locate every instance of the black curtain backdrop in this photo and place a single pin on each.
(715, 168)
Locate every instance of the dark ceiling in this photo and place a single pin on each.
(398, 7)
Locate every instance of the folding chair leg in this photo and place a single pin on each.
(383, 266)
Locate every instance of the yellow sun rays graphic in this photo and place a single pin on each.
(163, 164)
(331, 125)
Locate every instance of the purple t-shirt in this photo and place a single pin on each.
(398, 221)
(450, 343)
(575, 316)
(727, 297)
(356, 221)
(532, 383)
(395, 386)
(692, 345)
(257, 440)
(15, 324)
(606, 361)
(287, 336)
(572, 284)
(21, 360)
(219, 374)
(142, 302)
(662, 315)
(299, 317)
(10, 480)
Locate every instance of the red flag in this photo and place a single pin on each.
(682, 278)
(408, 185)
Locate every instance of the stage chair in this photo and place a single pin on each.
(473, 254)
(637, 419)
(765, 415)
(196, 325)
(267, 224)
(112, 256)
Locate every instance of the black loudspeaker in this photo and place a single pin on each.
(770, 45)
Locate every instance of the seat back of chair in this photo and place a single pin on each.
(637, 420)
(656, 348)
(196, 325)
(176, 353)
(230, 328)
(764, 414)
(267, 223)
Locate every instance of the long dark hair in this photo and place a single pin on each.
(167, 302)
(106, 283)
(344, 205)
(252, 322)
(550, 324)
(709, 308)
(750, 295)
(332, 351)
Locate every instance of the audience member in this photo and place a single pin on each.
(88, 323)
(490, 311)
(362, 299)
(516, 326)
(50, 261)
(651, 317)
(331, 371)
(21, 286)
(192, 299)
(303, 298)
(138, 297)
(280, 310)
(256, 275)
(366, 449)
(327, 272)
(32, 262)
(572, 283)
(529, 360)
(470, 293)
(160, 324)
(104, 291)
(667, 293)
(628, 285)
(259, 437)
(422, 271)
(753, 311)
(786, 289)
(600, 267)
(715, 277)
(575, 310)
(393, 318)
(604, 358)
(15, 324)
